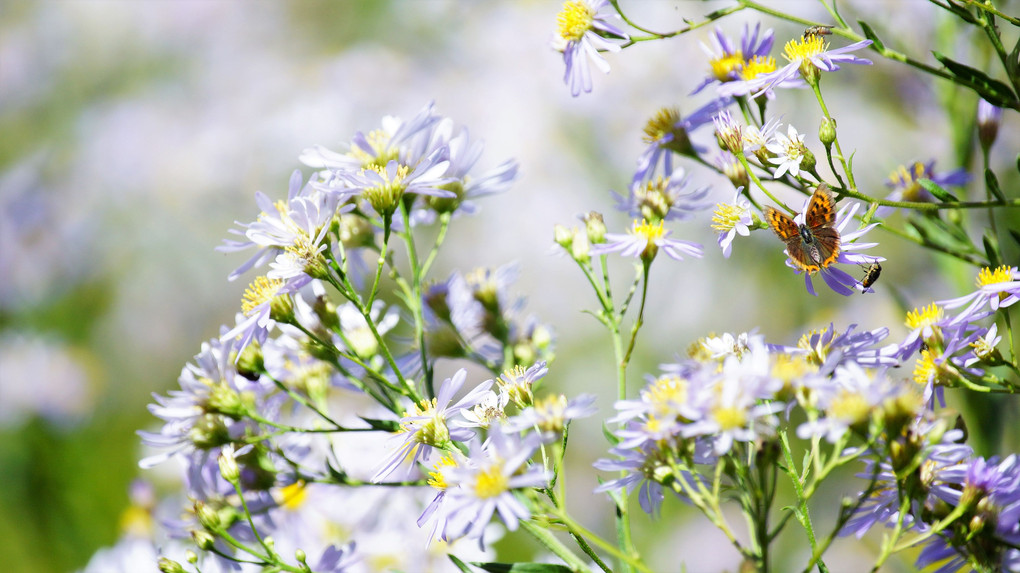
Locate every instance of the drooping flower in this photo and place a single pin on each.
(808, 56)
(584, 30)
(667, 132)
(905, 184)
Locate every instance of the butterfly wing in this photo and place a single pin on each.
(820, 219)
(781, 224)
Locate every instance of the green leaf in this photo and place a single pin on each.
(871, 35)
(382, 425)
(992, 248)
(522, 567)
(936, 190)
(994, 91)
(992, 183)
(1016, 235)
(609, 435)
(460, 564)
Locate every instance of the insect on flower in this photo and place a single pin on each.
(817, 31)
(814, 244)
(871, 275)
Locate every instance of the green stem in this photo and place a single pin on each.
(546, 538)
(839, 151)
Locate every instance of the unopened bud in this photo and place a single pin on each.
(808, 161)
(595, 227)
(827, 131)
(203, 539)
(228, 464)
(207, 516)
(251, 363)
(326, 311)
(167, 565)
(563, 236)
(988, 117)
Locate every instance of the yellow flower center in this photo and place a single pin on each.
(726, 216)
(906, 179)
(649, 231)
(381, 154)
(661, 124)
(293, 495)
(850, 407)
(259, 292)
(723, 67)
(491, 482)
(574, 20)
(666, 390)
(798, 49)
(817, 353)
(925, 316)
(925, 369)
(385, 196)
(988, 276)
(730, 417)
(551, 413)
(756, 66)
(437, 477)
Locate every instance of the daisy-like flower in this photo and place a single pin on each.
(732, 168)
(266, 302)
(926, 326)
(756, 139)
(849, 245)
(732, 219)
(943, 365)
(396, 140)
(643, 467)
(644, 240)
(848, 400)
(996, 288)
(273, 215)
(726, 59)
(663, 199)
(905, 186)
(425, 427)
(484, 484)
(808, 56)
(728, 132)
(582, 30)
(462, 154)
(829, 347)
(207, 412)
(488, 411)
(551, 415)
(985, 349)
(519, 383)
(987, 534)
(383, 187)
(667, 132)
(790, 153)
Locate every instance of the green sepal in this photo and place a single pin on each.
(936, 190)
(992, 183)
(870, 34)
(992, 90)
(522, 567)
(609, 435)
(991, 244)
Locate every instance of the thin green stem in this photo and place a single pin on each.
(839, 151)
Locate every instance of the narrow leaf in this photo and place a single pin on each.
(992, 248)
(992, 183)
(522, 567)
(382, 425)
(1016, 235)
(994, 91)
(460, 564)
(936, 190)
(871, 35)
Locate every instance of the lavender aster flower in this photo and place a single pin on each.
(551, 415)
(425, 426)
(726, 59)
(663, 199)
(644, 240)
(905, 185)
(582, 27)
(667, 133)
(484, 484)
(383, 187)
(809, 56)
(998, 288)
(732, 219)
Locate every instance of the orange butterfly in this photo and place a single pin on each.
(813, 245)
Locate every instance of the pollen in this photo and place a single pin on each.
(666, 391)
(259, 292)
(907, 179)
(491, 482)
(730, 417)
(925, 316)
(385, 196)
(723, 67)
(987, 276)
(649, 231)
(799, 49)
(574, 20)
(293, 495)
(437, 478)
(726, 216)
(925, 369)
(382, 153)
(661, 124)
(756, 66)
(789, 368)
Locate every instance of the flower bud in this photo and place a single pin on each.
(808, 161)
(228, 464)
(326, 311)
(595, 227)
(563, 236)
(207, 516)
(580, 248)
(827, 131)
(251, 363)
(191, 556)
(988, 117)
(281, 309)
(300, 556)
(167, 565)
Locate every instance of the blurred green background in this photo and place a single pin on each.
(135, 133)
